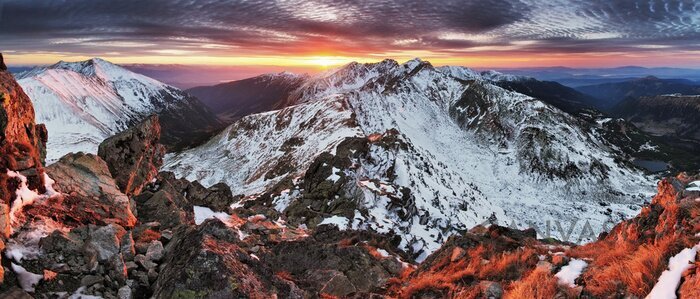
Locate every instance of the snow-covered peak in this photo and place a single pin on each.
(415, 62)
(105, 70)
(460, 72)
(492, 75)
(84, 102)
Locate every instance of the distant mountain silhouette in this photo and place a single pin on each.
(611, 94)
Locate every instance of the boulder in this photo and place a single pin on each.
(166, 207)
(217, 197)
(90, 194)
(134, 156)
(207, 262)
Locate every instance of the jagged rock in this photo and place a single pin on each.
(217, 197)
(308, 258)
(3, 67)
(105, 241)
(134, 155)
(127, 246)
(163, 202)
(206, 262)
(155, 251)
(124, 293)
(91, 195)
(144, 262)
(22, 143)
(331, 282)
(491, 290)
(89, 280)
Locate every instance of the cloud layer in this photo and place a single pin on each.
(349, 28)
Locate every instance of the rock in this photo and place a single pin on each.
(105, 241)
(206, 260)
(145, 262)
(130, 266)
(163, 202)
(217, 197)
(124, 293)
(134, 156)
(491, 289)
(92, 195)
(332, 282)
(19, 134)
(15, 293)
(3, 67)
(89, 280)
(22, 143)
(127, 246)
(155, 251)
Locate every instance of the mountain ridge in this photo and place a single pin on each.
(429, 119)
(84, 102)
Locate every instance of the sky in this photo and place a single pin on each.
(319, 34)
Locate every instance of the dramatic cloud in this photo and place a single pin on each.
(347, 28)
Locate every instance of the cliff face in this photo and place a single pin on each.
(22, 145)
(22, 150)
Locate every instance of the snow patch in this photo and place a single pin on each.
(334, 176)
(203, 213)
(341, 222)
(25, 245)
(670, 279)
(693, 186)
(568, 274)
(27, 280)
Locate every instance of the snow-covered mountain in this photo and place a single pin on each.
(82, 103)
(423, 152)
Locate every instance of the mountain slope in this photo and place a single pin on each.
(82, 103)
(415, 150)
(672, 116)
(611, 94)
(236, 99)
(553, 93)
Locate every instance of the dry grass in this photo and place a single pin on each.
(540, 283)
(285, 275)
(148, 236)
(634, 270)
(691, 286)
(455, 278)
(509, 265)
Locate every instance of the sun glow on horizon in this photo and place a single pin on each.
(326, 61)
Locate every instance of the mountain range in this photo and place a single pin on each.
(378, 180)
(422, 151)
(609, 95)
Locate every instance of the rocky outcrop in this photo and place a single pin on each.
(257, 258)
(90, 193)
(134, 155)
(22, 151)
(3, 67)
(163, 202)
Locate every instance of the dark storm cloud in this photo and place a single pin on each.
(346, 27)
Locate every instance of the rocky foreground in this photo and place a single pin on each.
(111, 226)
